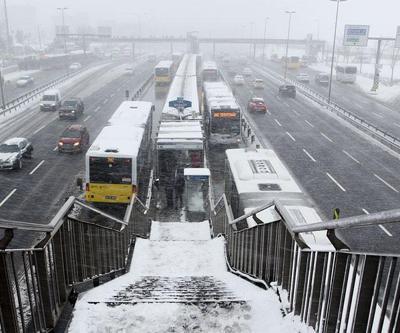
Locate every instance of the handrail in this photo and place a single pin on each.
(389, 216)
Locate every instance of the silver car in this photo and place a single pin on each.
(13, 151)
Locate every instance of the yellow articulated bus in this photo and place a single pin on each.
(117, 163)
(164, 72)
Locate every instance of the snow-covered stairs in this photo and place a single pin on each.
(178, 282)
(189, 289)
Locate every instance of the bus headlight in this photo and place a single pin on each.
(76, 144)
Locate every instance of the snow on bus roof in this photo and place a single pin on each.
(124, 139)
(180, 135)
(132, 113)
(172, 129)
(207, 65)
(223, 104)
(255, 169)
(189, 122)
(164, 64)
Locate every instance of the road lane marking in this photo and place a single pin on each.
(96, 109)
(87, 118)
(277, 97)
(336, 182)
(7, 197)
(39, 129)
(276, 120)
(290, 136)
(55, 148)
(268, 112)
(287, 104)
(309, 123)
(309, 155)
(386, 183)
(112, 95)
(387, 232)
(326, 137)
(37, 167)
(396, 124)
(105, 101)
(353, 158)
(377, 114)
(295, 112)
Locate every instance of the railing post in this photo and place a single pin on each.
(300, 281)
(60, 264)
(44, 289)
(7, 301)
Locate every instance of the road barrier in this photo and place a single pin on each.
(384, 137)
(33, 94)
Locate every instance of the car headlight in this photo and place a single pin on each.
(76, 144)
(60, 143)
(73, 111)
(41, 104)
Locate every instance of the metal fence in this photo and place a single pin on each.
(38, 281)
(338, 291)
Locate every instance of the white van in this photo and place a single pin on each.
(51, 100)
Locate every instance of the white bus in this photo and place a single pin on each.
(346, 73)
(117, 163)
(222, 115)
(210, 71)
(164, 72)
(254, 178)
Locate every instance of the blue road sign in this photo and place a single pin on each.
(180, 103)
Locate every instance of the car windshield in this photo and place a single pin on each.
(5, 148)
(70, 103)
(69, 133)
(49, 97)
(24, 78)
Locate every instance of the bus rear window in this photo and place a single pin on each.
(351, 70)
(110, 170)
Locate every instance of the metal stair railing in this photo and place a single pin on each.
(355, 291)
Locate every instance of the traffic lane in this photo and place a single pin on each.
(11, 91)
(356, 101)
(57, 172)
(367, 148)
(315, 174)
(383, 167)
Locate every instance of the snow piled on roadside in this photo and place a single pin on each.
(15, 75)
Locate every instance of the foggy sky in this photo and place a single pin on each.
(212, 17)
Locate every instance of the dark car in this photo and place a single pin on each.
(287, 90)
(74, 139)
(71, 108)
(256, 104)
(322, 79)
(13, 151)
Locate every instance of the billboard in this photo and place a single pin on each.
(355, 35)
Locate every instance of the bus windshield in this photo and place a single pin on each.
(110, 170)
(351, 70)
(162, 71)
(225, 122)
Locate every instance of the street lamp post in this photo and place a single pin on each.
(62, 9)
(265, 35)
(7, 28)
(333, 49)
(287, 41)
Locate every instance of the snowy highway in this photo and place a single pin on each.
(385, 116)
(35, 193)
(338, 166)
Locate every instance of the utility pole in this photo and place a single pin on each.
(265, 36)
(7, 27)
(287, 42)
(3, 98)
(62, 9)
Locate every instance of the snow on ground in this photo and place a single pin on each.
(180, 231)
(15, 75)
(177, 285)
(384, 93)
